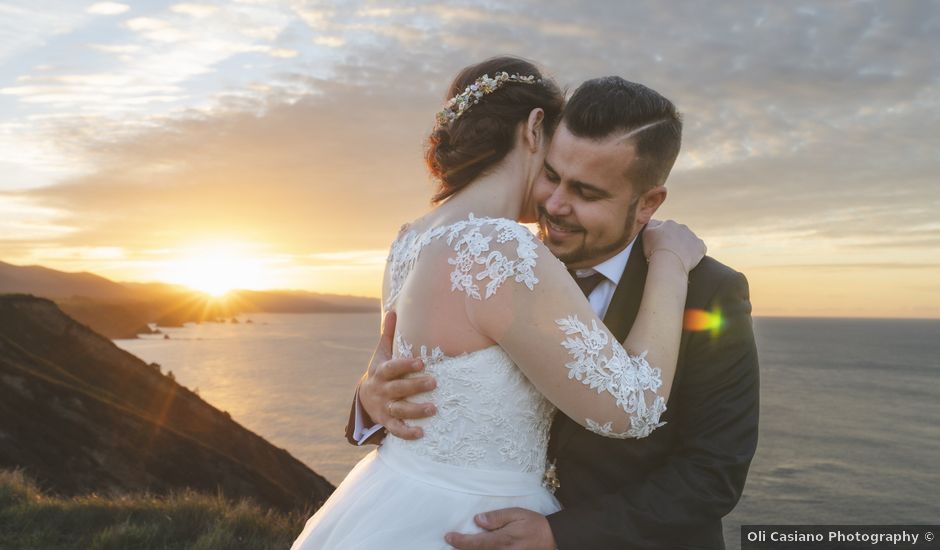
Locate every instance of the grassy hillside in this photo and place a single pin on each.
(31, 519)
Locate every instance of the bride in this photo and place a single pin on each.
(504, 329)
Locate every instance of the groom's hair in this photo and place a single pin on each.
(608, 106)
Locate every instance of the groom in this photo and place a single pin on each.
(602, 181)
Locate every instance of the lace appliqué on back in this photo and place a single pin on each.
(403, 255)
(473, 249)
(624, 376)
(489, 415)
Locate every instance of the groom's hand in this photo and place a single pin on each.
(383, 389)
(507, 529)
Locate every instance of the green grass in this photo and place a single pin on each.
(31, 519)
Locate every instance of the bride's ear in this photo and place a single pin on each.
(534, 129)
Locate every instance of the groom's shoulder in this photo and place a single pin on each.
(711, 276)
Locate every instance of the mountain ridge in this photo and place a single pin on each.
(124, 310)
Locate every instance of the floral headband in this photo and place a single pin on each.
(459, 104)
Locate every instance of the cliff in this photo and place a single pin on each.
(81, 415)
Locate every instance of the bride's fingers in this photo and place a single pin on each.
(401, 430)
(410, 411)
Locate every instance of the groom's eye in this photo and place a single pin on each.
(552, 177)
(587, 194)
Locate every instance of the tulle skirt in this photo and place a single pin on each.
(396, 499)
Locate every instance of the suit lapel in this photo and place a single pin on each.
(625, 303)
(624, 306)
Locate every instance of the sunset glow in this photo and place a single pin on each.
(143, 141)
(215, 269)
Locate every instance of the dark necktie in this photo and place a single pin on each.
(587, 284)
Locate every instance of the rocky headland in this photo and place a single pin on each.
(80, 415)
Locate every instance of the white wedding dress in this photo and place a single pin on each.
(485, 449)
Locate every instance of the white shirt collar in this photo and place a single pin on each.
(611, 268)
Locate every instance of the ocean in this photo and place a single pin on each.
(849, 407)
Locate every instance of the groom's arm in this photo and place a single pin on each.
(703, 480)
(361, 429)
(380, 404)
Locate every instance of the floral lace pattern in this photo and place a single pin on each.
(403, 255)
(624, 376)
(471, 243)
(473, 249)
(489, 415)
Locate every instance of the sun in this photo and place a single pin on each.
(216, 268)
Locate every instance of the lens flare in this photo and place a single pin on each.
(698, 320)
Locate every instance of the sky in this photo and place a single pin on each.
(278, 143)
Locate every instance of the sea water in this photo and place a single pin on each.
(849, 407)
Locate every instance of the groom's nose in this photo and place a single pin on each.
(558, 203)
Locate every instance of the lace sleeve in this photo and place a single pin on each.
(490, 251)
(519, 295)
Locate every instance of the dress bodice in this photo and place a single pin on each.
(489, 416)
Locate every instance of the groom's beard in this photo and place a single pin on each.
(584, 253)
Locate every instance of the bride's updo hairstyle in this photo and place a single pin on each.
(464, 148)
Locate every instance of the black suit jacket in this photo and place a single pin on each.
(671, 489)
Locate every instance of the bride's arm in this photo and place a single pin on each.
(541, 318)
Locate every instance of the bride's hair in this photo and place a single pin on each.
(461, 150)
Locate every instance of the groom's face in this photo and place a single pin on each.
(587, 207)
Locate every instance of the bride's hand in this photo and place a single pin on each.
(671, 238)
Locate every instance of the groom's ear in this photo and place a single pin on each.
(534, 129)
(649, 203)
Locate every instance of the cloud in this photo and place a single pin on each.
(195, 10)
(107, 8)
(24, 27)
(316, 17)
(154, 56)
(28, 221)
(146, 24)
(296, 183)
(865, 266)
(70, 89)
(283, 53)
(366, 258)
(331, 41)
(809, 128)
(116, 48)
